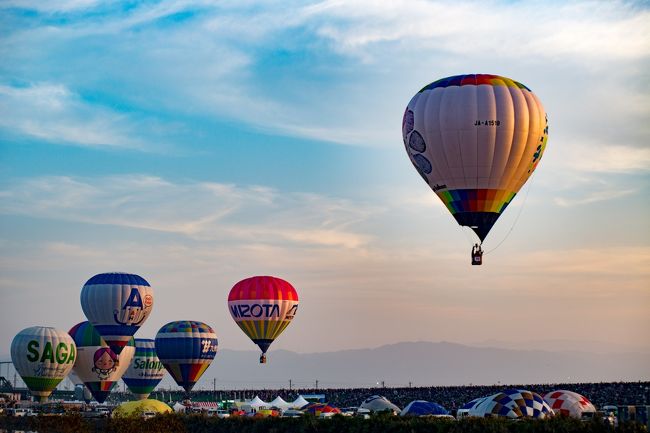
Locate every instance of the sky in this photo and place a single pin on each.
(197, 143)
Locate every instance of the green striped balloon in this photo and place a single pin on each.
(43, 357)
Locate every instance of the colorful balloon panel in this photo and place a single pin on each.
(117, 304)
(145, 371)
(475, 139)
(513, 403)
(43, 357)
(263, 307)
(186, 348)
(568, 403)
(97, 366)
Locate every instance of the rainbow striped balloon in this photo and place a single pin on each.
(263, 307)
(475, 139)
(186, 349)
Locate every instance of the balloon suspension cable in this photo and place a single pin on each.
(468, 237)
(521, 208)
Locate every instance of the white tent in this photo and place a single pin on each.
(299, 403)
(280, 403)
(378, 403)
(257, 403)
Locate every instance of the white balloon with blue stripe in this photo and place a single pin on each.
(117, 304)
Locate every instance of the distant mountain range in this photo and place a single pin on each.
(422, 364)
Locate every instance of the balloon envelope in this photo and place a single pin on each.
(135, 408)
(475, 140)
(378, 403)
(513, 403)
(186, 349)
(263, 307)
(43, 357)
(568, 403)
(145, 371)
(319, 408)
(117, 304)
(423, 408)
(97, 366)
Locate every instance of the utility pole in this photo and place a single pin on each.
(383, 385)
(316, 383)
(289, 385)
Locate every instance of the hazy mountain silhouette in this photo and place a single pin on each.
(422, 364)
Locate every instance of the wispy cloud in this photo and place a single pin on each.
(230, 59)
(51, 6)
(585, 29)
(604, 158)
(594, 197)
(198, 210)
(52, 112)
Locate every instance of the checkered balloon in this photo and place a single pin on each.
(568, 403)
(513, 403)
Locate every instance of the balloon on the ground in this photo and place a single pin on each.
(97, 366)
(186, 349)
(145, 371)
(263, 307)
(568, 403)
(475, 140)
(513, 403)
(321, 408)
(43, 357)
(138, 407)
(423, 408)
(117, 304)
(472, 404)
(378, 403)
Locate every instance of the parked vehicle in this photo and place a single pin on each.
(292, 413)
(219, 413)
(19, 411)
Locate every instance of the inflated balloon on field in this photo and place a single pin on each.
(263, 307)
(513, 403)
(569, 403)
(43, 357)
(117, 304)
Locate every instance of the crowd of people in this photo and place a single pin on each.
(451, 397)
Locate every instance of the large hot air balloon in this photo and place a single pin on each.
(98, 367)
(475, 139)
(117, 304)
(263, 307)
(146, 371)
(43, 357)
(186, 349)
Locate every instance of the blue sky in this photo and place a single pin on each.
(197, 143)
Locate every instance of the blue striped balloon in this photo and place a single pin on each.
(186, 349)
(145, 371)
(117, 304)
